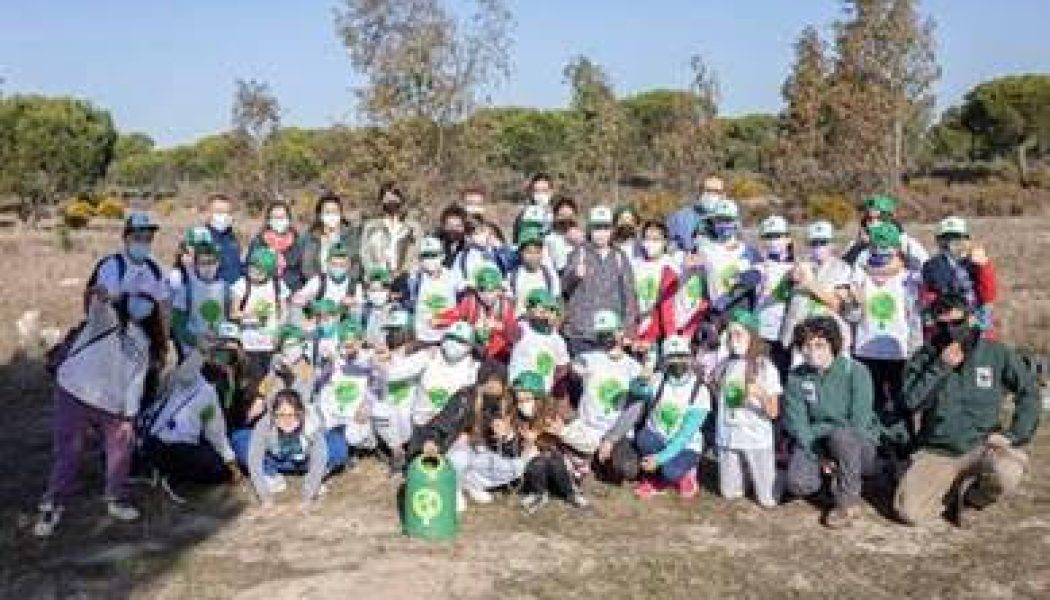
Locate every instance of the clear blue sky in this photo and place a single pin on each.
(166, 67)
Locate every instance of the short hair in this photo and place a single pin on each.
(657, 225)
(541, 176)
(475, 189)
(389, 187)
(290, 396)
(948, 302)
(822, 326)
(563, 202)
(453, 210)
(218, 197)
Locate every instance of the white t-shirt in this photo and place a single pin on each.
(259, 318)
(724, 264)
(139, 278)
(605, 385)
(648, 274)
(675, 399)
(772, 302)
(209, 301)
(335, 291)
(558, 249)
(190, 412)
(689, 296)
(742, 425)
(436, 293)
(436, 380)
(522, 282)
(889, 324)
(538, 352)
(342, 396)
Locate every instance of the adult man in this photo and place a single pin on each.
(133, 270)
(957, 382)
(962, 267)
(685, 223)
(218, 212)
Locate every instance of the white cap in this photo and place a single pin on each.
(820, 230)
(726, 209)
(606, 320)
(431, 245)
(953, 226)
(600, 215)
(462, 331)
(773, 225)
(676, 345)
(534, 213)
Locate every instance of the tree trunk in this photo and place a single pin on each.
(1022, 159)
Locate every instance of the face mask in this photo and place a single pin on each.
(431, 264)
(454, 350)
(291, 354)
(777, 247)
(541, 198)
(878, 260)
(221, 221)
(392, 207)
(138, 251)
(540, 325)
(607, 340)
(139, 308)
(625, 232)
(677, 370)
(331, 220)
(601, 236)
(396, 338)
(527, 408)
(378, 297)
(326, 330)
(280, 225)
(725, 231)
(956, 248)
(207, 272)
(653, 248)
(337, 273)
(820, 253)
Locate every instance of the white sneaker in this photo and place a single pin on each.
(122, 511)
(275, 483)
(478, 495)
(461, 501)
(50, 515)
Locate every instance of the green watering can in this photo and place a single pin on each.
(429, 510)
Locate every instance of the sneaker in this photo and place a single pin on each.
(647, 488)
(687, 486)
(841, 518)
(531, 503)
(958, 512)
(50, 515)
(122, 511)
(478, 495)
(461, 501)
(275, 483)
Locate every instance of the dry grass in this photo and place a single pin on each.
(220, 547)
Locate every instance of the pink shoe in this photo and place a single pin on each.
(649, 487)
(688, 487)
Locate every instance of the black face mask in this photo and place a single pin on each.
(948, 332)
(455, 235)
(491, 405)
(396, 338)
(563, 225)
(392, 208)
(625, 232)
(540, 325)
(607, 341)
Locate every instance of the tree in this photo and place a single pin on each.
(1011, 114)
(800, 151)
(598, 128)
(256, 118)
(689, 149)
(51, 146)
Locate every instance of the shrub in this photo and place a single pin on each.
(836, 208)
(165, 207)
(110, 208)
(745, 187)
(657, 204)
(77, 214)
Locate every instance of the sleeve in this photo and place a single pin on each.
(318, 465)
(630, 309)
(307, 292)
(694, 418)
(569, 278)
(237, 291)
(108, 276)
(771, 378)
(561, 353)
(1019, 379)
(177, 287)
(628, 418)
(987, 290)
(410, 367)
(796, 416)
(214, 425)
(923, 375)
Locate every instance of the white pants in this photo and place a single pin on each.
(761, 471)
(482, 469)
(581, 437)
(360, 435)
(392, 424)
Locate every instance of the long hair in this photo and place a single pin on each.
(328, 197)
(152, 326)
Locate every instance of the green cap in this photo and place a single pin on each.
(196, 236)
(530, 381)
(882, 203)
(350, 329)
(676, 345)
(530, 236)
(338, 251)
(290, 332)
(461, 331)
(380, 274)
(206, 249)
(953, 226)
(884, 235)
(488, 278)
(605, 321)
(323, 306)
(265, 259)
(745, 319)
(541, 297)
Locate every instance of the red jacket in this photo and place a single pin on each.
(659, 322)
(985, 289)
(501, 337)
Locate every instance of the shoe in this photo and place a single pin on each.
(579, 501)
(478, 495)
(687, 486)
(960, 515)
(531, 503)
(275, 483)
(50, 515)
(461, 501)
(841, 518)
(122, 511)
(174, 496)
(647, 488)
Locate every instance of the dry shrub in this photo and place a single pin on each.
(110, 208)
(746, 187)
(836, 208)
(165, 207)
(656, 204)
(77, 214)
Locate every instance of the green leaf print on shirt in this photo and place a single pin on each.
(207, 414)
(647, 291)
(782, 291)
(347, 393)
(398, 392)
(882, 308)
(211, 311)
(667, 417)
(263, 309)
(545, 364)
(727, 276)
(733, 392)
(435, 303)
(439, 397)
(610, 393)
(694, 288)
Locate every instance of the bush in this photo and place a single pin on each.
(836, 208)
(77, 214)
(745, 187)
(165, 207)
(657, 204)
(110, 208)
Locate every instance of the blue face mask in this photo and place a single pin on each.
(878, 260)
(139, 308)
(138, 251)
(326, 330)
(724, 231)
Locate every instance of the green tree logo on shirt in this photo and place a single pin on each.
(667, 417)
(545, 364)
(694, 288)
(347, 393)
(610, 392)
(647, 291)
(733, 392)
(439, 397)
(435, 303)
(782, 291)
(727, 276)
(211, 311)
(207, 414)
(263, 309)
(882, 308)
(398, 392)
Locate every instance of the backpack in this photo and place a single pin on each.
(63, 350)
(122, 269)
(651, 403)
(276, 295)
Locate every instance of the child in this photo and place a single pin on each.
(225, 368)
(289, 368)
(334, 283)
(541, 348)
(748, 389)
(199, 299)
(259, 302)
(432, 289)
(532, 273)
(655, 279)
(392, 408)
(778, 260)
(322, 322)
(346, 390)
(490, 311)
(376, 306)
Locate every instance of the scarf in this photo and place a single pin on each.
(279, 243)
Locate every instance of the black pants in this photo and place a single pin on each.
(547, 473)
(887, 379)
(623, 465)
(188, 463)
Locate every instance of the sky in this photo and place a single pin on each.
(167, 67)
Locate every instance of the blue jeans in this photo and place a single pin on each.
(649, 442)
(338, 453)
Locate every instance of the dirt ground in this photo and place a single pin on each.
(220, 546)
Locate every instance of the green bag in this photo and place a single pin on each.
(429, 509)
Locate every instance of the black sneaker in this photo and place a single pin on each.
(959, 514)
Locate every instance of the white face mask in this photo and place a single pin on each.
(653, 248)
(454, 350)
(139, 251)
(291, 354)
(818, 359)
(207, 272)
(280, 225)
(378, 297)
(221, 221)
(527, 408)
(777, 246)
(139, 308)
(431, 264)
(541, 198)
(331, 220)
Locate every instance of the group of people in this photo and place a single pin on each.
(577, 344)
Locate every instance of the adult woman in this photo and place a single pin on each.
(280, 236)
(329, 230)
(390, 240)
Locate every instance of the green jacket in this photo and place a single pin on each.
(818, 403)
(961, 407)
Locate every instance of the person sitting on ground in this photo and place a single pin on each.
(829, 416)
(957, 382)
